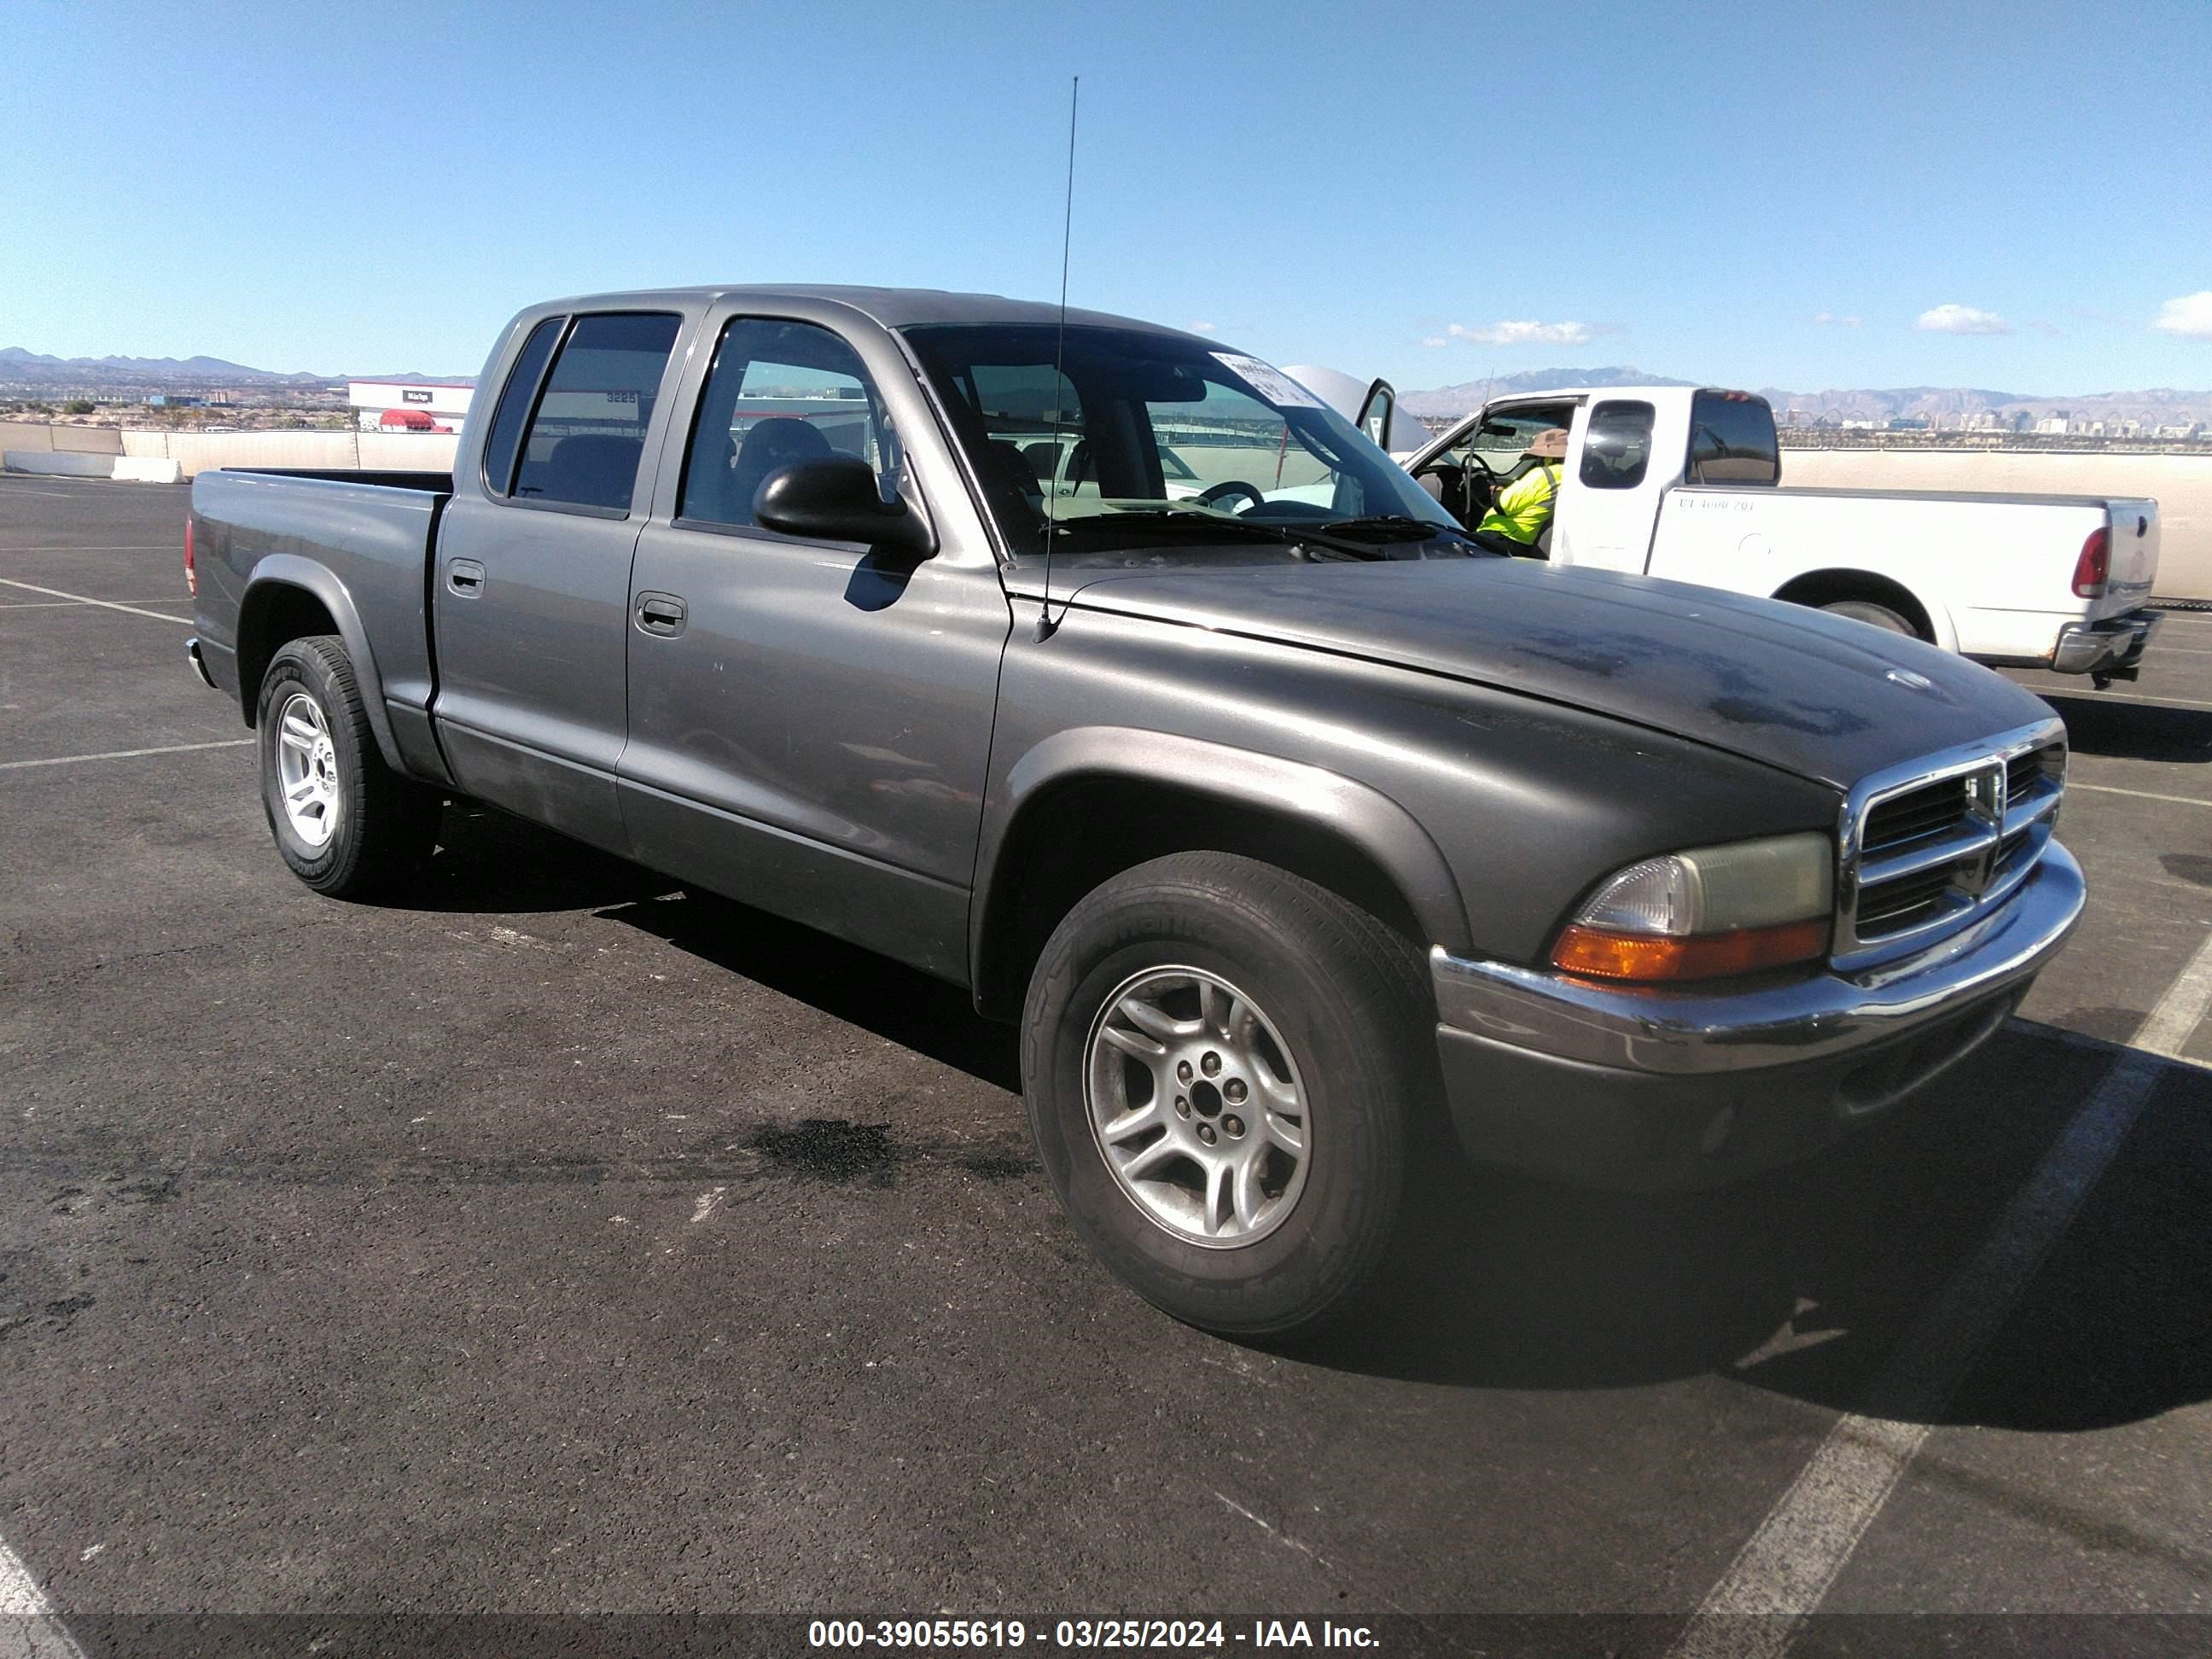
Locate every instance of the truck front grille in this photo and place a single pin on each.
(1930, 846)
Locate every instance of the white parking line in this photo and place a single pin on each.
(2140, 697)
(113, 547)
(111, 605)
(2140, 794)
(127, 754)
(29, 1625)
(1783, 1573)
(63, 605)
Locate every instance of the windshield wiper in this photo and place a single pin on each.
(1400, 527)
(1286, 535)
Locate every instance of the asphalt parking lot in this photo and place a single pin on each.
(557, 1243)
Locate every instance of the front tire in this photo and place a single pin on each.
(345, 822)
(1221, 1063)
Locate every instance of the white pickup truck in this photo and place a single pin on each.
(1681, 482)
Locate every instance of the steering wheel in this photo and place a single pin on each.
(1221, 492)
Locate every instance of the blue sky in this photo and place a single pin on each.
(1685, 188)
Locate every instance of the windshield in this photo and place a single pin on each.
(1142, 439)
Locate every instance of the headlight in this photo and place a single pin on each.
(1706, 912)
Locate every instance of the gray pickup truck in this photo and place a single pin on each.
(1110, 675)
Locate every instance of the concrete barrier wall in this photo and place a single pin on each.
(197, 452)
(43, 434)
(2181, 484)
(63, 463)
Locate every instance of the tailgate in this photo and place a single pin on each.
(2133, 527)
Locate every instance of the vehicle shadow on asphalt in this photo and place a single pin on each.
(847, 983)
(1805, 1282)
(489, 863)
(2134, 730)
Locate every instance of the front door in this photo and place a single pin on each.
(809, 726)
(533, 574)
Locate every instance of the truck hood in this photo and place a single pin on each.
(1825, 698)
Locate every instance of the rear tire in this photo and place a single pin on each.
(1880, 616)
(1294, 1053)
(345, 822)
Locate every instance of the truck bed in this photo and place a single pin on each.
(359, 544)
(2001, 565)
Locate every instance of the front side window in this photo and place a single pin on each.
(1501, 437)
(1732, 440)
(779, 392)
(587, 434)
(1617, 448)
(1116, 439)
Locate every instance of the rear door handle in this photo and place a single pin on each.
(465, 577)
(661, 613)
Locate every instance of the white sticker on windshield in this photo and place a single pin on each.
(1271, 383)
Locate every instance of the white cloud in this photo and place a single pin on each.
(1962, 319)
(1525, 333)
(1828, 319)
(1197, 328)
(2189, 317)
(1436, 340)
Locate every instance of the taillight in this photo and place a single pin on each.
(2095, 568)
(192, 575)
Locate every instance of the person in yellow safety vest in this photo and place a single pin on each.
(1524, 507)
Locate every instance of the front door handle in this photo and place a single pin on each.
(465, 577)
(661, 614)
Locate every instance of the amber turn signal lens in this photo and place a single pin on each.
(1598, 953)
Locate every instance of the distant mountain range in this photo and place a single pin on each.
(30, 369)
(1470, 395)
(2157, 406)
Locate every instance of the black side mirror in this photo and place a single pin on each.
(836, 500)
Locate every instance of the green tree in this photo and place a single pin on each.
(77, 407)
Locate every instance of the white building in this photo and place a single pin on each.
(401, 405)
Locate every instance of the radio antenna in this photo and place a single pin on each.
(1045, 625)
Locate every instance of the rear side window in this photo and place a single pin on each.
(588, 431)
(1617, 448)
(515, 403)
(1732, 440)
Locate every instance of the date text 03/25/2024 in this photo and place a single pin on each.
(1201, 1635)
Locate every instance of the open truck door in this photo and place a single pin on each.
(1376, 410)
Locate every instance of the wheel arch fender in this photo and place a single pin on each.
(1824, 584)
(274, 589)
(1220, 793)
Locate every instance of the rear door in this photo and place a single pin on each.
(533, 571)
(1609, 499)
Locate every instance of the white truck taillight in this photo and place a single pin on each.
(2095, 568)
(191, 575)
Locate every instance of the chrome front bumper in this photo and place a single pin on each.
(1650, 1087)
(2108, 646)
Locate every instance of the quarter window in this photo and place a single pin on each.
(779, 392)
(1617, 448)
(515, 403)
(587, 434)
